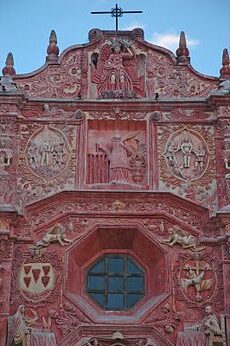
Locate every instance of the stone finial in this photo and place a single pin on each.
(52, 49)
(9, 70)
(117, 336)
(225, 70)
(182, 52)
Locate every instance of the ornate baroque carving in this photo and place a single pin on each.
(35, 277)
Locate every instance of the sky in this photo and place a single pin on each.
(25, 27)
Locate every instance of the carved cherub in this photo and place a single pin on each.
(178, 236)
(54, 235)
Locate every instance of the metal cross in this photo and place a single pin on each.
(116, 12)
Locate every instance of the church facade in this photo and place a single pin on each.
(115, 197)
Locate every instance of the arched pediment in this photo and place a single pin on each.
(116, 65)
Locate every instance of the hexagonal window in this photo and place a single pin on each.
(115, 282)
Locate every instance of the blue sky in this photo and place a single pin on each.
(25, 26)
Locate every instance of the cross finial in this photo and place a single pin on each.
(116, 12)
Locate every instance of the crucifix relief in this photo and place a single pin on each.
(116, 12)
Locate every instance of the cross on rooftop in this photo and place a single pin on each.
(116, 12)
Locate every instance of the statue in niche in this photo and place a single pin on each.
(119, 153)
(114, 71)
(207, 333)
(186, 155)
(126, 159)
(6, 155)
(179, 237)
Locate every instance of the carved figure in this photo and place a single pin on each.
(119, 163)
(21, 330)
(114, 75)
(47, 152)
(56, 234)
(211, 327)
(178, 236)
(20, 326)
(207, 333)
(186, 155)
(199, 162)
(114, 70)
(186, 148)
(6, 155)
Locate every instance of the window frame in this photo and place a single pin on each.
(125, 274)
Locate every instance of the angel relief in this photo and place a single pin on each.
(117, 72)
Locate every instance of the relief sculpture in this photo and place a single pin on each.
(23, 329)
(186, 155)
(114, 71)
(119, 160)
(47, 152)
(179, 237)
(208, 332)
(196, 277)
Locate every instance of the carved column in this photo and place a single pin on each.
(80, 148)
(6, 249)
(223, 156)
(8, 154)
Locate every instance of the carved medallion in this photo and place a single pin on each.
(197, 280)
(36, 279)
(186, 155)
(47, 152)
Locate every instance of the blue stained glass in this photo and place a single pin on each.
(132, 268)
(96, 283)
(132, 299)
(135, 283)
(116, 265)
(99, 267)
(115, 301)
(99, 298)
(115, 283)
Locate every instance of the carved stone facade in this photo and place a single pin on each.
(115, 148)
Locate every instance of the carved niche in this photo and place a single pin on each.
(116, 153)
(117, 71)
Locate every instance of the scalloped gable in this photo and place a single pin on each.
(84, 71)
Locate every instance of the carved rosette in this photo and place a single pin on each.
(36, 279)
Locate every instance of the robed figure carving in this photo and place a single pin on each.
(115, 71)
